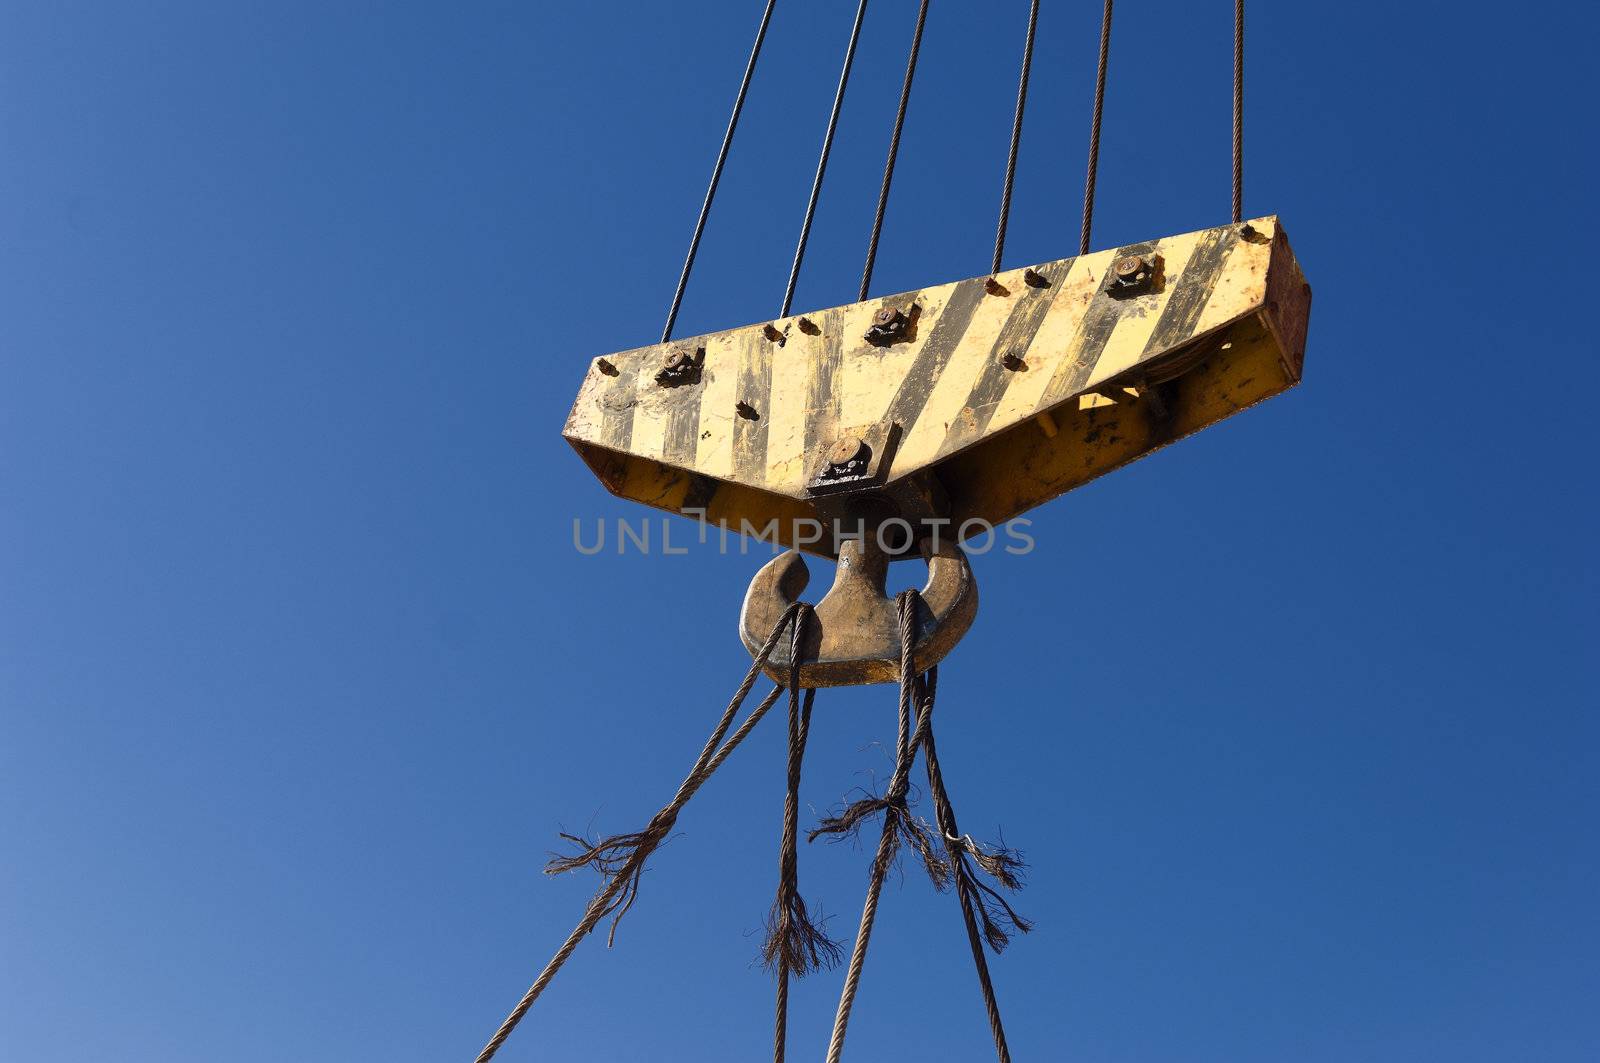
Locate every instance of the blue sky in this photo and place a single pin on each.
(300, 674)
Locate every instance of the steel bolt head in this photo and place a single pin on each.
(888, 324)
(1129, 265)
(846, 450)
(675, 360)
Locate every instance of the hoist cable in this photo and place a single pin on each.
(1094, 130)
(894, 149)
(716, 173)
(1016, 139)
(822, 161)
(1238, 110)
(621, 859)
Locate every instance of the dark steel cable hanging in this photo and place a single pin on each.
(621, 859)
(897, 821)
(822, 161)
(1094, 130)
(1002, 863)
(716, 173)
(1016, 139)
(796, 944)
(1238, 110)
(894, 149)
(984, 910)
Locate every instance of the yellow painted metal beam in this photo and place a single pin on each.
(1008, 390)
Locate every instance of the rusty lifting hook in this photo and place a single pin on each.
(855, 638)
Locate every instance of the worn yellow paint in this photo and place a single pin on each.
(786, 407)
(651, 409)
(871, 374)
(713, 453)
(1232, 334)
(1127, 344)
(1052, 341)
(1243, 284)
(948, 396)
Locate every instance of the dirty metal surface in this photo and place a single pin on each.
(854, 636)
(1009, 393)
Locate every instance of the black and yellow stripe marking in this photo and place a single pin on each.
(618, 400)
(917, 386)
(1192, 291)
(995, 377)
(946, 386)
(683, 426)
(823, 397)
(754, 388)
(1094, 332)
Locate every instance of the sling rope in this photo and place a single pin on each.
(1016, 139)
(1238, 110)
(896, 818)
(1094, 130)
(978, 902)
(794, 943)
(822, 160)
(716, 173)
(894, 149)
(621, 859)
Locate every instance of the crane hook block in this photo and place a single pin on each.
(1001, 391)
(854, 636)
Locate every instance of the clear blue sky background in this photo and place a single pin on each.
(300, 674)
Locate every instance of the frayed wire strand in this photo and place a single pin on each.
(622, 864)
(988, 917)
(897, 820)
(795, 943)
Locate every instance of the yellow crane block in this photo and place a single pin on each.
(994, 394)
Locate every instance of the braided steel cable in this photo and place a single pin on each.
(966, 886)
(1094, 130)
(621, 860)
(1016, 139)
(822, 160)
(1238, 110)
(716, 173)
(795, 944)
(894, 149)
(889, 840)
(987, 915)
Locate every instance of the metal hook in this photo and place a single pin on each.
(855, 638)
